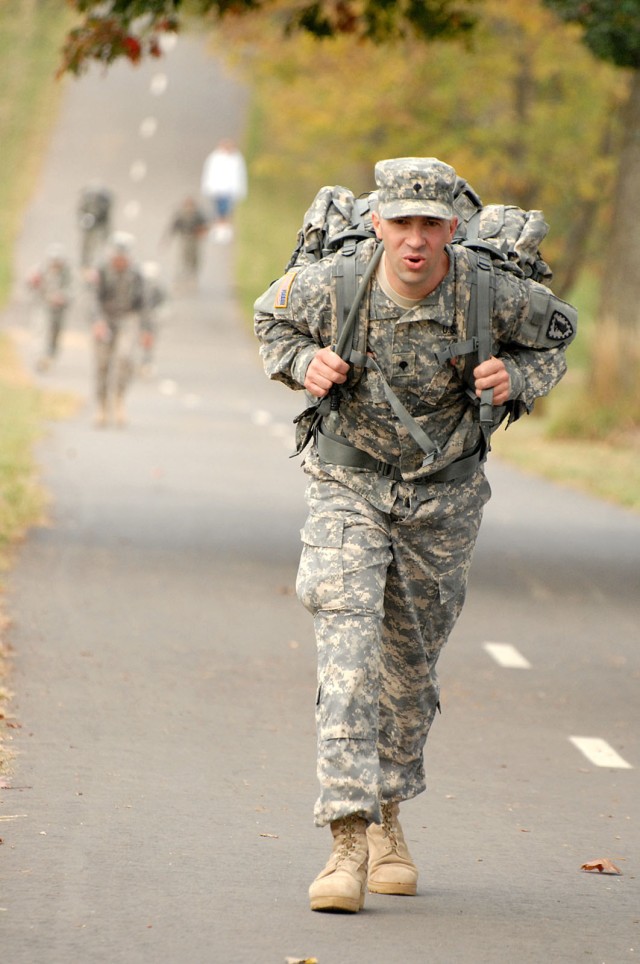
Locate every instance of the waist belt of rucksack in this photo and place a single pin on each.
(337, 451)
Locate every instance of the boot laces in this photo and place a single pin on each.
(388, 826)
(347, 839)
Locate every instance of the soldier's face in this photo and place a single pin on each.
(415, 259)
(119, 262)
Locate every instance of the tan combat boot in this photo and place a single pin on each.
(342, 883)
(391, 869)
(101, 418)
(120, 412)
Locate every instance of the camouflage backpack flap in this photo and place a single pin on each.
(334, 216)
(509, 233)
(96, 203)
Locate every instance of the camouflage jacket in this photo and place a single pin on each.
(530, 330)
(120, 294)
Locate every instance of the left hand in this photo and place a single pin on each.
(493, 374)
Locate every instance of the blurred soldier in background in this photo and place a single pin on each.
(94, 220)
(224, 183)
(120, 327)
(189, 226)
(51, 283)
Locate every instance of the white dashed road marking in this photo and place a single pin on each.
(599, 752)
(131, 210)
(167, 42)
(138, 171)
(507, 655)
(168, 387)
(159, 84)
(148, 127)
(261, 417)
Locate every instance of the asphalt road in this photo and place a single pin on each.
(159, 805)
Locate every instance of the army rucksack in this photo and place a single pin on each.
(498, 236)
(94, 207)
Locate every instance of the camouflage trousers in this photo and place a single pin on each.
(116, 359)
(385, 589)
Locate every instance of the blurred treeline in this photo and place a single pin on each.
(520, 108)
(31, 36)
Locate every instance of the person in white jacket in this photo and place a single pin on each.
(224, 183)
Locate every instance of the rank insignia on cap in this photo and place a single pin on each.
(560, 328)
(282, 293)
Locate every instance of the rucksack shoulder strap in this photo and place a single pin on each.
(473, 320)
(483, 312)
(352, 271)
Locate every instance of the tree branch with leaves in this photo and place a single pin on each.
(132, 29)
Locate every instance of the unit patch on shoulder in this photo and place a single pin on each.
(560, 328)
(282, 291)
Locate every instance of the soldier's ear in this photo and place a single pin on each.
(375, 220)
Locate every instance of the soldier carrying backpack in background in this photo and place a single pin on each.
(95, 207)
(379, 334)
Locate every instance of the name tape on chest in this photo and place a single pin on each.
(283, 290)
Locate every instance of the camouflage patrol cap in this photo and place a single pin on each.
(121, 242)
(415, 186)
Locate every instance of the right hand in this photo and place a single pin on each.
(326, 369)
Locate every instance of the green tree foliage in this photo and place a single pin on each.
(111, 29)
(611, 27)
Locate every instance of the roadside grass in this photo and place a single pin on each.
(31, 33)
(25, 411)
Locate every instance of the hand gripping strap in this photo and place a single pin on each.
(483, 307)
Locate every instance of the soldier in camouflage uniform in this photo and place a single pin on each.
(189, 226)
(52, 283)
(389, 537)
(121, 327)
(94, 220)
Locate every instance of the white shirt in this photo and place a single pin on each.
(224, 173)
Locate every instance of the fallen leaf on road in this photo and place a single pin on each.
(301, 960)
(603, 866)
(274, 836)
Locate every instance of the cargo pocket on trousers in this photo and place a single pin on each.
(320, 582)
(453, 585)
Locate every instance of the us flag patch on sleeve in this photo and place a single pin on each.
(282, 293)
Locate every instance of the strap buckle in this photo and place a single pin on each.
(387, 470)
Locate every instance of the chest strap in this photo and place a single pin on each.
(337, 451)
